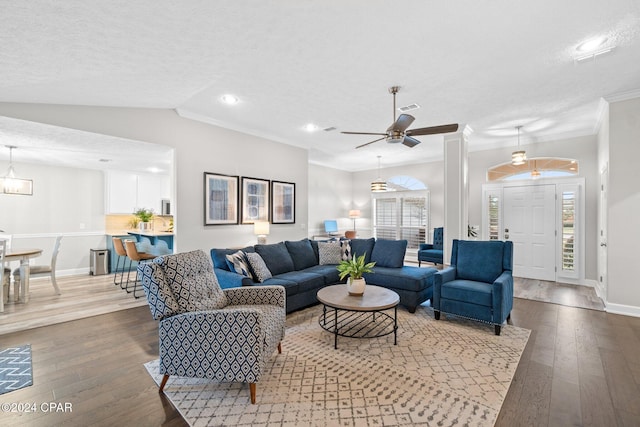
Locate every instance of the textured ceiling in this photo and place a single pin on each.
(487, 65)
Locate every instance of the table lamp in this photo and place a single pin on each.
(353, 214)
(261, 229)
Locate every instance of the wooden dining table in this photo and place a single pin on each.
(23, 255)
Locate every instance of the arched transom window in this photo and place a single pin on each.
(541, 167)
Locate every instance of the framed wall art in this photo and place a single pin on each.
(283, 202)
(221, 197)
(255, 200)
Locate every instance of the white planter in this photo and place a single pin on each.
(145, 226)
(355, 287)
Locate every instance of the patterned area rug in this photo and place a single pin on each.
(15, 368)
(447, 372)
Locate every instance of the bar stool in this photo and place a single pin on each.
(122, 255)
(134, 255)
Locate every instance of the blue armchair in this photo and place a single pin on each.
(432, 252)
(478, 284)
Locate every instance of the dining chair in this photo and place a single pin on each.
(40, 270)
(6, 269)
(121, 253)
(139, 257)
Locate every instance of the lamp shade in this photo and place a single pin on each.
(518, 158)
(261, 228)
(354, 213)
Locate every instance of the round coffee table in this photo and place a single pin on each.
(359, 316)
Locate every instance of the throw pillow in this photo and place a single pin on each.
(192, 281)
(301, 253)
(362, 247)
(276, 257)
(237, 262)
(259, 268)
(345, 249)
(389, 253)
(329, 253)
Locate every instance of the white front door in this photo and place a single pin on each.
(529, 222)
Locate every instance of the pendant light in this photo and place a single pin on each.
(378, 186)
(518, 157)
(12, 185)
(535, 173)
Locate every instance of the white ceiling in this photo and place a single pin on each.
(487, 65)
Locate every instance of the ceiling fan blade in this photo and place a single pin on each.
(376, 140)
(433, 130)
(410, 142)
(364, 133)
(402, 123)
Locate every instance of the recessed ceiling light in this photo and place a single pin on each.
(229, 99)
(310, 127)
(591, 44)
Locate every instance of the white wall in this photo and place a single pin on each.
(199, 147)
(330, 195)
(624, 206)
(65, 201)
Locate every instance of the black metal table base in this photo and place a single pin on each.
(359, 324)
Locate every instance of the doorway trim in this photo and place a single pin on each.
(492, 228)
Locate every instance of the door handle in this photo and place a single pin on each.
(603, 244)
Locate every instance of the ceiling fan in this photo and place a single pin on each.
(398, 132)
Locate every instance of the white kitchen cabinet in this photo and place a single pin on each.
(128, 191)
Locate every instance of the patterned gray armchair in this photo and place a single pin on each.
(206, 332)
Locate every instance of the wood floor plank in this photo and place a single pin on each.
(96, 363)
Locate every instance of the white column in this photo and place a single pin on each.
(456, 190)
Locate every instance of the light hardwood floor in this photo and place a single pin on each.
(82, 296)
(580, 367)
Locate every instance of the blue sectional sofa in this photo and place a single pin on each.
(300, 269)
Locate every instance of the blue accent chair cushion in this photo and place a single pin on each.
(389, 253)
(478, 284)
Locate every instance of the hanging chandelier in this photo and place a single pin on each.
(535, 173)
(10, 184)
(518, 157)
(378, 186)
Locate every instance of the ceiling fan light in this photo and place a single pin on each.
(518, 158)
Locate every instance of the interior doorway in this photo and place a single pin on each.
(545, 221)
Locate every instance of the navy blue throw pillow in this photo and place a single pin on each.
(389, 253)
(302, 254)
(363, 247)
(276, 257)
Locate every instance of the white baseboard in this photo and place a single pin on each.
(626, 310)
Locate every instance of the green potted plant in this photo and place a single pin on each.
(355, 268)
(145, 216)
